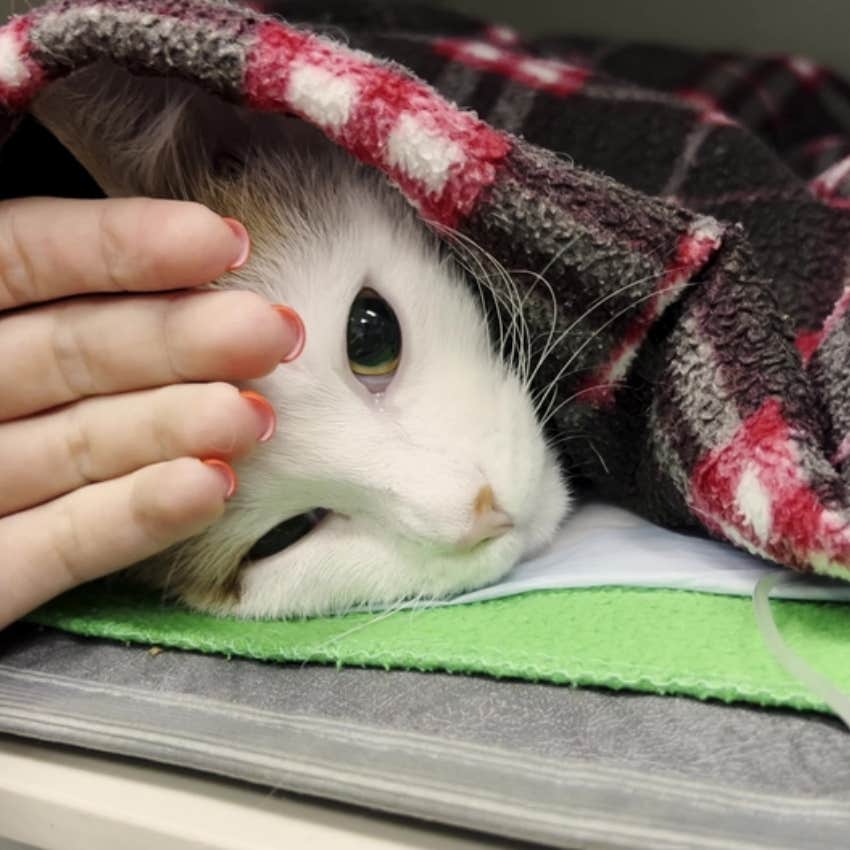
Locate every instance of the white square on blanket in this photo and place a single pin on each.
(13, 71)
(422, 153)
(324, 97)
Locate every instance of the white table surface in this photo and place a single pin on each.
(57, 798)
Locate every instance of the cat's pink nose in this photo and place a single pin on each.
(488, 520)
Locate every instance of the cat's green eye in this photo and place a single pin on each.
(373, 340)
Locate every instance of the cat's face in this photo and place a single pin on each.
(400, 429)
(432, 468)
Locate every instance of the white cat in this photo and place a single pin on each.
(409, 462)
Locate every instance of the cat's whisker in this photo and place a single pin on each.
(396, 608)
(529, 341)
(528, 377)
(508, 294)
(593, 307)
(602, 385)
(558, 255)
(480, 278)
(550, 346)
(561, 439)
(552, 387)
(599, 455)
(515, 302)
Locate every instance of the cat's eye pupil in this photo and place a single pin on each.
(374, 336)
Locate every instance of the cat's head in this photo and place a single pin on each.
(408, 461)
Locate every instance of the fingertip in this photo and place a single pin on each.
(243, 243)
(196, 245)
(181, 498)
(243, 335)
(226, 475)
(296, 330)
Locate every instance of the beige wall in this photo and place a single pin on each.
(7, 7)
(818, 28)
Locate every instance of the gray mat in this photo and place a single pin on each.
(570, 768)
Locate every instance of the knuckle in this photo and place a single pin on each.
(66, 542)
(71, 357)
(171, 342)
(128, 252)
(119, 230)
(79, 446)
(18, 280)
(162, 431)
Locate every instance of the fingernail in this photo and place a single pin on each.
(227, 475)
(238, 230)
(294, 321)
(268, 419)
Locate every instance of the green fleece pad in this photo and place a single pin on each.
(661, 641)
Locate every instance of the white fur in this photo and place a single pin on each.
(400, 471)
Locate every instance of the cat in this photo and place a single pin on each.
(410, 462)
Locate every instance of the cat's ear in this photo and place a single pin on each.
(159, 137)
(132, 134)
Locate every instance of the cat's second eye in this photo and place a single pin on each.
(373, 340)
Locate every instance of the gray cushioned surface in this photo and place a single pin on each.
(571, 768)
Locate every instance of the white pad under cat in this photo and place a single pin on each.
(604, 545)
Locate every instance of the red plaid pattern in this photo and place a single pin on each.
(689, 212)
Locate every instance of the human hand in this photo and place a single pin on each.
(109, 402)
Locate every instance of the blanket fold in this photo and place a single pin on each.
(684, 290)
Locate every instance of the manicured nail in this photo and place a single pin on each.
(268, 419)
(238, 230)
(297, 326)
(227, 474)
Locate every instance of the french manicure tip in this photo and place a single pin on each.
(226, 472)
(238, 230)
(262, 405)
(295, 322)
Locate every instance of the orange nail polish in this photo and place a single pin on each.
(267, 415)
(239, 231)
(227, 474)
(294, 321)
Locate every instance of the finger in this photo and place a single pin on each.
(101, 528)
(46, 456)
(102, 345)
(51, 248)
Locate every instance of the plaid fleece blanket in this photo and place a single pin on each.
(676, 226)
